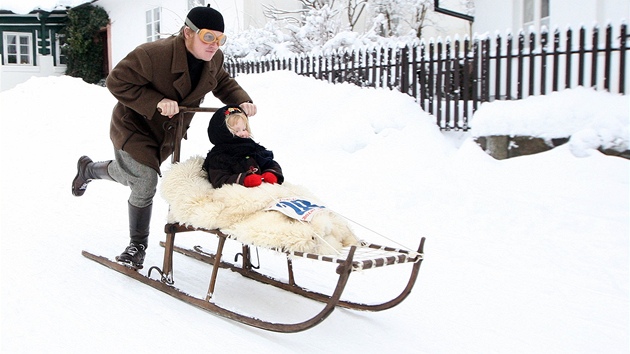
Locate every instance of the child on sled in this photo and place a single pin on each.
(235, 157)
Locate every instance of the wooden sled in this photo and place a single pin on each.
(354, 258)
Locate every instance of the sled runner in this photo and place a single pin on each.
(359, 256)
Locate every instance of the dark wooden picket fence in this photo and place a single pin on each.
(451, 78)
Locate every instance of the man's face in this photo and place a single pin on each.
(198, 48)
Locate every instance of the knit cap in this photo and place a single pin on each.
(206, 17)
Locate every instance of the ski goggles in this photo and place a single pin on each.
(206, 35)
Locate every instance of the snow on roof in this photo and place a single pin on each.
(26, 6)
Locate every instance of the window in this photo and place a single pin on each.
(18, 49)
(535, 14)
(544, 13)
(61, 50)
(153, 24)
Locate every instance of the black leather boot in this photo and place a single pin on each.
(139, 222)
(88, 171)
(133, 255)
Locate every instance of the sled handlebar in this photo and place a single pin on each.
(184, 109)
(178, 121)
(197, 109)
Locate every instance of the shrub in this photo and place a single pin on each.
(83, 44)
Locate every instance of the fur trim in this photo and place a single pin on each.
(240, 212)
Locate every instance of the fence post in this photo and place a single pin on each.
(475, 73)
(381, 73)
(556, 59)
(439, 84)
(607, 57)
(404, 69)
(594, 51)
(623, 39)
(519, 78)
(485, 70)
(389, 65)
(431, 78)
(544, 40)
(397, 62)
(497, 80)
(340, 62)
(448, 87)
(320, 65)
(351, 74)
(467, 87)
(422, 80)
(508, 69)
(373, 55)
(413, 69)
(457, 85)
(361, 66)
(569, 55)
(532, 62)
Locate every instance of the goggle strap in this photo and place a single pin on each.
(189, 23)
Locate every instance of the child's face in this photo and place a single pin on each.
(240, 129)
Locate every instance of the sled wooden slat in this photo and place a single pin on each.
(386, 256)
(367, 256)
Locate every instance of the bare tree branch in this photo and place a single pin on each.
(355, 9)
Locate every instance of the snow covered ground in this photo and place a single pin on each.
(526, 255)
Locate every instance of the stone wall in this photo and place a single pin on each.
(504, 147)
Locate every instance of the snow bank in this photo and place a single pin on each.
(525, 255)
(591, 118)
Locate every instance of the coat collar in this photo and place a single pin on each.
(208, 81)
(180, 66)
(183, 84)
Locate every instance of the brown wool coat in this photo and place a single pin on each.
(150, 73)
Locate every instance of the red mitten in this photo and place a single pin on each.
(269, 177)
(252, 180)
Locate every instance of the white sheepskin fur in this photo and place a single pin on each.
(240, 212)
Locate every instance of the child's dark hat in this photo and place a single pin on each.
(218, 132)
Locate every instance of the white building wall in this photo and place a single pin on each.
(613, 11)
(445, 25)
(492, 16)
(10, 76)
(128, 23)
(584, 14)
(590, 12)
